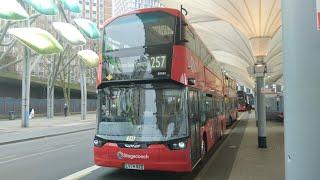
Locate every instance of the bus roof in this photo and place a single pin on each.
(171, 11)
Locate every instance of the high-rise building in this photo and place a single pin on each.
(93, 10)
(107, 9)
(123, 6)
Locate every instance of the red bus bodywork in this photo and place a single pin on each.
(155, 157)
(185, 65)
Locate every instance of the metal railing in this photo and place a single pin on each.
(40, 106)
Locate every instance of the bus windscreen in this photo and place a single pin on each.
(144, 113)
(138, 46)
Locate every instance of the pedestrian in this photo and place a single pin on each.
(31, 113)
(65, 110)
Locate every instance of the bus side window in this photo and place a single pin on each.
(198, 47)
(193, 105)
(214, 106)
(220, 105)
(209, 107)
(203, 109)
(190, 37)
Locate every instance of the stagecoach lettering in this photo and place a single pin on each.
(132, 145)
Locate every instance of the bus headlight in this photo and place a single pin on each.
(181, 144)
(98, 142)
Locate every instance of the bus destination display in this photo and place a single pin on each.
(158, 63)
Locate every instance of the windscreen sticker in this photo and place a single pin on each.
(109, 77)
(131, 138)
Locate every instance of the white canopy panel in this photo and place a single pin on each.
(226, 28)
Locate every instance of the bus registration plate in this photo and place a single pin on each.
(134, 166)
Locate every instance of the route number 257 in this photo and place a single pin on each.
(158, 62)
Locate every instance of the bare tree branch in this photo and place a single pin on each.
(66, 64)
(10, 64)
(8, 50)
(4, 30)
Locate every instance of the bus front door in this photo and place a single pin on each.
(194, 117)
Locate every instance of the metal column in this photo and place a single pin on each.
(50, 92)
(255, 106)
(25, 94)
(83, 84)
(25, 90)
(301, 41)
(261, 112)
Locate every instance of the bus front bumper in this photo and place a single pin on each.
(155, 157)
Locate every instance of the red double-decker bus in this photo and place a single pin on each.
(242, 101)
(160, 94)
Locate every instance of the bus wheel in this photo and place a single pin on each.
(203, 148)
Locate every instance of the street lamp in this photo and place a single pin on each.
(90, 30)
(12, 11)
(46, 7)
(74, 37)
(41, 42)
(38, 40)
(70, 33)
(72, 5)
(260, 69)
(91, 59)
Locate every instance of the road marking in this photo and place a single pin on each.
(74, 124)
(8, 157)
(81, 173)
(36, 154)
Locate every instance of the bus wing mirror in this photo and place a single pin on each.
(191, 81)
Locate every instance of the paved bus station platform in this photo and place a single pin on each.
(41, 127)
(239, 158)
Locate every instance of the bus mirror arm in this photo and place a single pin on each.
(182, 10)
(181, 41)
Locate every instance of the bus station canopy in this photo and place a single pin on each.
(236, 31)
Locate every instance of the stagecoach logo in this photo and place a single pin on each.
(122, 155)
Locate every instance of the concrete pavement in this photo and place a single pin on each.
(262, 164)
(11, 131)
(239, 157)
